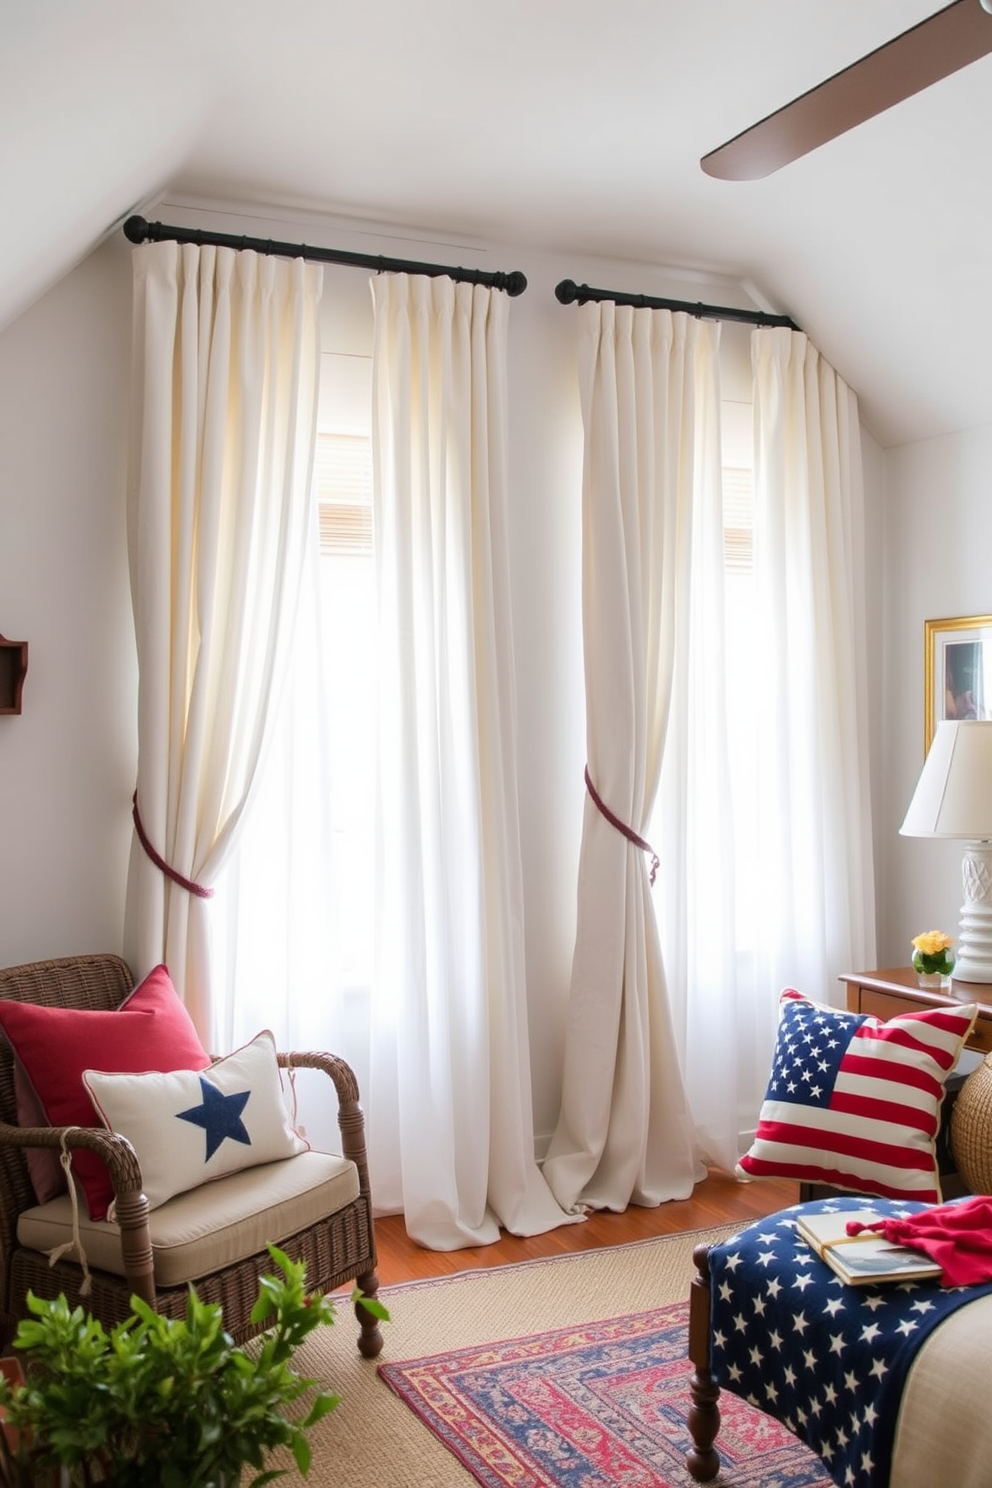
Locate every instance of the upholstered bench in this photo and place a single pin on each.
(774, 1324)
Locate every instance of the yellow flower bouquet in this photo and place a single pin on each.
(932, 954)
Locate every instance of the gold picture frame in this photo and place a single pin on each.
(957, 679)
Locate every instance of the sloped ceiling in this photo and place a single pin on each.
(567, 124)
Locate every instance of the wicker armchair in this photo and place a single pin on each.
(338, 1247)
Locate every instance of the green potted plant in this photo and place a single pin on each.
(933, 957)
(164, 1402)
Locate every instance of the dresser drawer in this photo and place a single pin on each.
(981, 1036)
(889, 1005)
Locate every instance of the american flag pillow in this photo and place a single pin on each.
(855, 1102)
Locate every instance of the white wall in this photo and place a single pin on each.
(873, 459)
(937, 547)
(67, 764)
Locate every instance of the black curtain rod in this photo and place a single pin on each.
(570, 293)
(137, 230)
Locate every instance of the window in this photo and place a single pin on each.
(343, 489)
(743, 676)
(291, 927)
(738, 519)
(343, 486)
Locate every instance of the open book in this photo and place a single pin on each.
(862, 1260)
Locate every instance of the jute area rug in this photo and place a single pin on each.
(375, 1440)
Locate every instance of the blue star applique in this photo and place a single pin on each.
(220, 1116)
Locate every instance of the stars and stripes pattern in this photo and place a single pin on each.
(854, 1101)
(826, 1360)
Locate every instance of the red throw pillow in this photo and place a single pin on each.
(151, 1030)
(44, 1167)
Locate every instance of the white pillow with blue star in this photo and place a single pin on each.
(190, 1126)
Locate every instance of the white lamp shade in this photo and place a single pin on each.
(953, 796)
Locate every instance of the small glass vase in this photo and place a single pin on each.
(933, 971)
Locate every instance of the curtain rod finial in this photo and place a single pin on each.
(567, 292)
(135, 229)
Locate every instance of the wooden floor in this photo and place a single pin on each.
(718, 1200)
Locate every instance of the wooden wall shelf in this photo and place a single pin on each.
(13, 669)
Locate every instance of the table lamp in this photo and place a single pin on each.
(953, 798)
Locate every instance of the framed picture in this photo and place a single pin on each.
(958, 671)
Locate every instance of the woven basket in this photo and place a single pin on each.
(971, 1129)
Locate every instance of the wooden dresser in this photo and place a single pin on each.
(888, 993)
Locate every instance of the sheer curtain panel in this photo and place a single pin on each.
(813, 873)
(223, 418)
(697, 897)
(625, 1133)
(451, 1123)
(763, 810)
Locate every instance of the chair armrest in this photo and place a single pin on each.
(130, 1203)
(351, 1118)
(113, 1149)
(333, 1066)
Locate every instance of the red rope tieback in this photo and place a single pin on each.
(622, 827)
(160, 863)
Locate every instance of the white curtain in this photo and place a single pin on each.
(696, 897)
(749, 720)
(223, 420)
(813, 870)
(451, 1125)
(764, 805)
(274, 923)
(649, 390)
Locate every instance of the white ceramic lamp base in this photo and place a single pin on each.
(974, 950)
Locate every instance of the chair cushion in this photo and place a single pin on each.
(213, 1226)
(188, 1127)
(151, 1030)
(854, 1102)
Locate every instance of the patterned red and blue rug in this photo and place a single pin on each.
(604, 1403)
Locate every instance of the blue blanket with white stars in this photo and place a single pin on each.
(827, 1360)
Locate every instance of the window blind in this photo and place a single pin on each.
(343, 478)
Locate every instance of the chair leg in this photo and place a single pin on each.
(703, 1462)
(136, 1244)
(370, 1337)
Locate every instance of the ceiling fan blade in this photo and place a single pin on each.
(939, 45)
